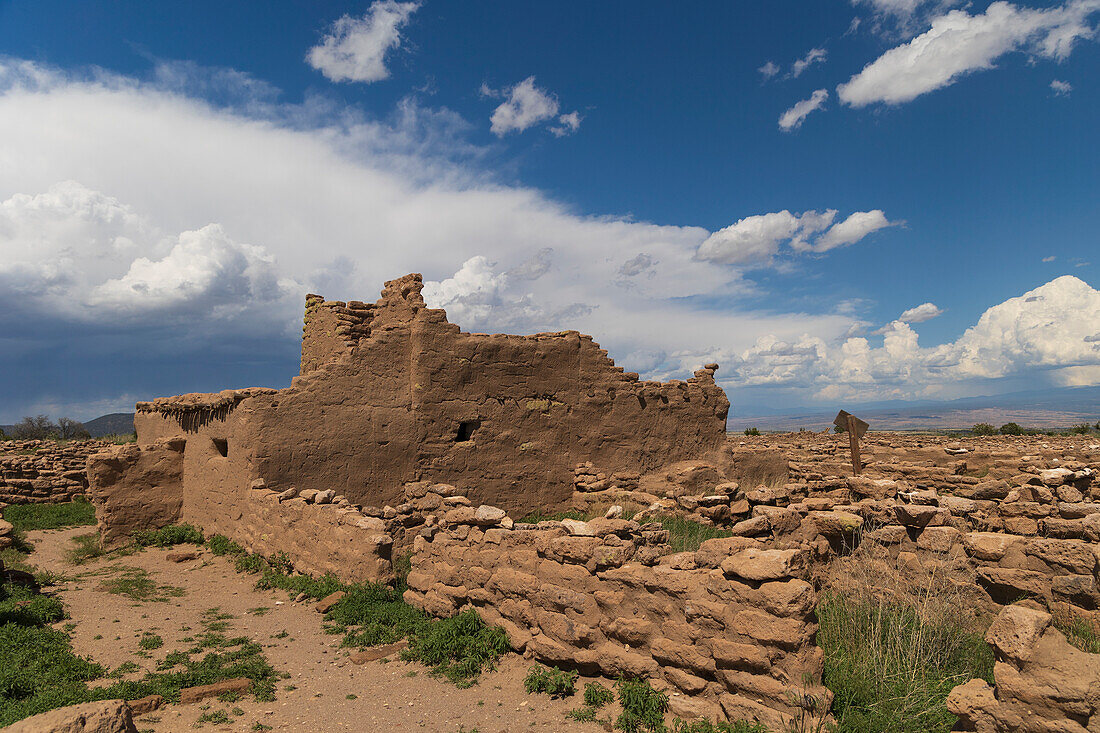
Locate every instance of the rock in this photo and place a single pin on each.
(326, 603)
(917, 515)
(371, 524)
(288, 494)
(308, 495)
(109, 716)
(182, 556)
(970, 702)
(578, 528)
(1055, 476)
(146, 704)
(460, 515)
(195, 694)
(613, 512)
(373, 653)
(1016, 630)
(488, 515)
(754, 564)
(711, 553)
(752, 527)
(861, 486)
(938, 539)
(324, 497)
(836, 524)
(258, 485)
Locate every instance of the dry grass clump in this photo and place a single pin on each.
(897, 638)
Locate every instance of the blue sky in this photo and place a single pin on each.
(838, 201)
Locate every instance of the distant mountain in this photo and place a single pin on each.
(117, 423)
(1050, 408)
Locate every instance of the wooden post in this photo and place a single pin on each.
(855, 428)
(853, 443)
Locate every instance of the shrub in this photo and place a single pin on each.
(379, 612)
(752, 431)
(248, 563)
(1082, 429)
(150, 641)
(643, 707)
(35, 428)
(550, 680)
(69, 429)
(1011, 428)
(173, 534)
(458, 648)
(983, 428)
(86, 547)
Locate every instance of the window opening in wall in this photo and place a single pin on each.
(466, 430)
(222, 446)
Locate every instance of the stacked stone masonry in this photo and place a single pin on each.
(728, 629)
(1043, 683)
(44, 471)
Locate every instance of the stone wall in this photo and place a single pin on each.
(729, 629)
(44, 471)
(1043, 683)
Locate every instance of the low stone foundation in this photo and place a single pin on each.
(1042, 682)
(729, 629)
(44, 471)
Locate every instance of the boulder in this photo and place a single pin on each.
(755, 564)
(109, 716)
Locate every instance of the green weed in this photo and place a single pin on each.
(173, 534)
(137, 585)
(550, 680)
(643, 707)
(458, 648)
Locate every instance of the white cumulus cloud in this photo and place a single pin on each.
(755, 240)
(857, 226)
(526, 105)
(959, 43)
(355, 48)
(921, 313)
(813, 56)
(1061, 88)
(792, 118)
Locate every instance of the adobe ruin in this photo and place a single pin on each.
(391, 393)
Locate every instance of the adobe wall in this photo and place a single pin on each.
(392, 393)
(44, 471)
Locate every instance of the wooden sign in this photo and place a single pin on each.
(855, 428)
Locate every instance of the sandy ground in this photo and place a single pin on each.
(329, 693)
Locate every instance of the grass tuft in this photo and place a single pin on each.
(643, 707)
(891, 664)
(686, 535)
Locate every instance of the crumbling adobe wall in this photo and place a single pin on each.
(729, 629)
(406, 396)
(418, 399)
(1042, 682)
(136, 487)
(44, 471)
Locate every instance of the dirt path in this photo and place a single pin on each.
(325, 692)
